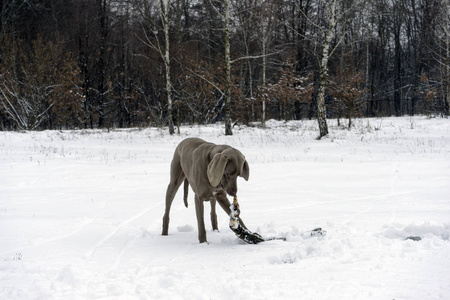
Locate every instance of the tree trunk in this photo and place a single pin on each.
(323, 72)
(321, 109)
(349, 116)
(447, 72)
(167, 64)
(102, 84)
(228, 130)
(397, 60)
(264, 66)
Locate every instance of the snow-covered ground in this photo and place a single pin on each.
(81, 214)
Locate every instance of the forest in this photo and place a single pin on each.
(67, 64)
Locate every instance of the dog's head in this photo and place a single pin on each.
(224, 169)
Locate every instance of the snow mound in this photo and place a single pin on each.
(185, 228)
(416, 232)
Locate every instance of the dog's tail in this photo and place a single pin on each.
(186, 189)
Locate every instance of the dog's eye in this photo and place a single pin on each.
(229, 174)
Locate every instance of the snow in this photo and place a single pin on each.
(81, 214)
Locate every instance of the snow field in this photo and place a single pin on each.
(81, 214)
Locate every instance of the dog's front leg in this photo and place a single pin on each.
(199, 210)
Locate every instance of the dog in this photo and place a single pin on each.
(211, 170)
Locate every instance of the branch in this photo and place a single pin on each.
(254, 56)
(217, 11)
(205, 79)
(20, 120)
(337, 44)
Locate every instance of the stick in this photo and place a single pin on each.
(242, 233)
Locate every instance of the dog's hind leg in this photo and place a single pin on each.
(176, 179)
(186, 190)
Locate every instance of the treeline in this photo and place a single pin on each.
(127, 63)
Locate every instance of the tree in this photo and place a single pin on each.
(40, 89)
(347, 88)
(228, 130)
(152, 39)
(267, 25)
(226, 17)
(289, 90)
(323, 68)
(442, 54)
(397, 26)
(165, 17)
(199, 91)
(92, 22)
(428, 94)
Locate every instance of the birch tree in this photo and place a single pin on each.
(227, 64)
(153, 40)
(166, 57)
(323, 68)
(267, 20)
(228, 130)
(322, 34)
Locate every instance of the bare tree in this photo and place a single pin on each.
(347, 89)
(397, 25)
(165, 16)
(227, 63)
(442, 54)
(39, 89)
(228, 130)
(152, 39)
(323, 68)
(289, 90)
(267, 24)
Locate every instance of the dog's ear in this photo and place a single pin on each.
(216, 168)
(245, 173)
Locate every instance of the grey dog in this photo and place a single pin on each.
(212, 172)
